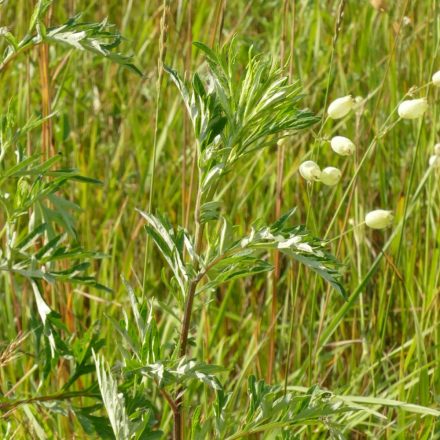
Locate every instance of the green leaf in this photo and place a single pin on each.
(82, 349)
(114, 402)
(178, 372)
(40, 9)
(94, 425)
(30, 238)
(210, 211)
(97, 38)
(241, 110)
(270, 409)
(13, 43)
(236, 266)
(167, 241)
(241, 258)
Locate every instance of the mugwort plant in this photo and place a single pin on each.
(233, 114)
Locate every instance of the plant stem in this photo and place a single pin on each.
(193, 284)
(186, 122)
(46, 132)
(178, 430)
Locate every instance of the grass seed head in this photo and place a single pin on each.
(413, 108)
(379, 219)
(437, 149)
(310, 171)
(342, 146)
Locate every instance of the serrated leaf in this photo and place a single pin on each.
(114, 402)
(210, 211)
(241, 258)
(166, 241)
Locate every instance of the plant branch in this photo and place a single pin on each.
(169, 399)
(8, 406)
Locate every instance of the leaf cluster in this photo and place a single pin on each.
(234, 112)
(101, 39)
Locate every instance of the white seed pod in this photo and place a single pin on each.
(310, 170)
(436, 79)
(340, 107)
(434, 161)
(379, 219)
(412, 108)
(342, 146)
(330, 176)
(437, 149)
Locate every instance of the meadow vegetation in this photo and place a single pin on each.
(219, 219)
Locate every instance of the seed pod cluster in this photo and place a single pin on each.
(341, 145)
(330, 176)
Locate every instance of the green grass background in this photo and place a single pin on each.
(382, 343)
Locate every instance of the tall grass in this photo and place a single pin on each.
(377, 352)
